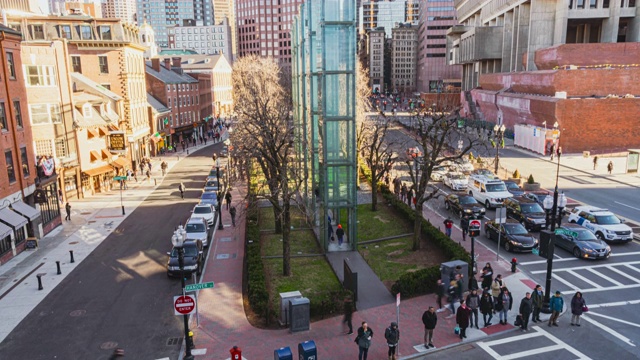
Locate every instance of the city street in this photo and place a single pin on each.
(119, 296)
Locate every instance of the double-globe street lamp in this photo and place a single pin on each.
(178, 239)
(497, 142)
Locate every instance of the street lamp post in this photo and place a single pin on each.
(498, 137)
(178, 241)
(220, 226)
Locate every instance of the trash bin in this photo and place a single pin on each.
(300, 315)
(307, 350)
(283, 354)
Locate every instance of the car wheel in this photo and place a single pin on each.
(507, 246)
(487, 204)
(447, 206)
(572, 221)
(577, 253)
(599, 236)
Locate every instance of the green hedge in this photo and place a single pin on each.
(256, 283)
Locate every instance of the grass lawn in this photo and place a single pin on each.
(379, 224)
(302, 241)
(267, 219)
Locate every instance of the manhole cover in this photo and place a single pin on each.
(174, 341)
(225, 239)
(222, 256)
(73, 243)
(76, 313)
(108, 345)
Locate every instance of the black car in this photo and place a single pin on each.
(527, 212)
(193, 259)
(514, 237)
(539, 196)
(463, 204)
(514, 188)
(581, 242)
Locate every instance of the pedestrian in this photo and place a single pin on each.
(403, 192)
(182, 189)
(556, 304)
(135, 175)
(396, 187)
(67, 208)
(232, 212)
(595, 162)
(578, 305)
(149, 175)
(348, 314)
(330, 227)
(409, 196)
(487, 277)
(552, 150)
(473, 302)
(487, 307)
(439, 294)
(473, 282)
(164, 167)
(536, 299)
(392, 335)
(227, 198)
(387, 180)
(526, 307)
(610, 167)
(430, 320)
(451, 296)
(496, 287)
(149, 164)
(364, 340)
(462, 319)
(464, 226)
(504, 304)
(340, 234)
(60, 196)
(448, 226)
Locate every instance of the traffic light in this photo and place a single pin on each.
(547, 244)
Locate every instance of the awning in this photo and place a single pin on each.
(26, 210)
(105, 154)
(120, 162)
(95, 156)
(12, 218)
(99, 170)
(4, 231)
(92, 133)
(155, 139)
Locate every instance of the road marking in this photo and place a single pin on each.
(629, 206)
(632, 267)
(587, 267)
(616, 334)
(536, 262)
(566, 346)
(605, 276)
(570, 285)
(623, 287)
(511, 339)
(532, 352)
(625, 275)
(580, 277)
(619, 303)
(615, 319)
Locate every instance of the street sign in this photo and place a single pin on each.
(474, 227)
(119, 178)
(194, 287)
(398, 299)
(501, 215)
(184, 304)
(566, 232)
(460, 144)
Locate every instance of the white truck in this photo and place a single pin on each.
(488, 191)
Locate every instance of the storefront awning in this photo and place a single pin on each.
(99, 170)
(155, 139)
(12, 218)
(26, 210)
(120, 162)
(4, 231)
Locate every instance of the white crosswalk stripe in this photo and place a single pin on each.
(599, 278)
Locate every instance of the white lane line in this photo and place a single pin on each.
(618, 303)
(536, 262)
(532, 352)
(625, 275)
(629, 206)
(580, 277)
(614, 319)
(587, 267)
(626, 253)
(489, 350)
(560, 342)
(605, 276)
(623, 287)
(632, 267)
(570, 285)
(511, 339)
(614, 333)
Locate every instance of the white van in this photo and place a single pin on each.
(488, 191)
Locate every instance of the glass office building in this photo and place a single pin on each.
(323, 70)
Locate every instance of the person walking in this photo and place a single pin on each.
(182, 189)
(67, 208)
(577, 308)
(439, 294)
(473, 303)
(610, 167)
(595, 162)
(473, 282)
(556, 304)
(464, 226)
(227, 198)
(164, 167)
(392, 335)
(330, 227)
(348, 314)
(448, 225)
(496, 287)
(364, 340)
(410, 196)
(536, 299)
(487, 307)
(340, 234)
(462, 319)
(526, 307)
(430, 320)
(403, 192)
(232, 212)
(451, 297)
(504, 304)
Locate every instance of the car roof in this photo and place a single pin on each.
(521, 199)
(573, 226)
(210, 192)
(509, 221)
(594, 210)
(203, 205)
(195, 219)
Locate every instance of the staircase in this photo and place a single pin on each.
(477, 115)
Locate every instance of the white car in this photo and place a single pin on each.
(488, 191)
(197, 229)
(455, 181)
(602, 222)
(438, 173)
(464, 165)
(204, 211)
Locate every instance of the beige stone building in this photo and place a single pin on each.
(404, 56)
(375, 53)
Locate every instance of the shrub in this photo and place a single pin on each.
(256, 280)
(530, 179)
(479, 160)
(516, 174)
(471, 158)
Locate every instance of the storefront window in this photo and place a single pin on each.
(51, 209)
(20, 235)
(70, 183)
(5, 245)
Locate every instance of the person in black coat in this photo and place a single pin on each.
(526, 307)
(504, 304)
(487, 276)
(462, 319)
(486, 307)
(430, 320)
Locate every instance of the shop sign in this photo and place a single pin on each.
(40, 196)
(116, 142)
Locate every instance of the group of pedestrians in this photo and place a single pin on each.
(406, 194)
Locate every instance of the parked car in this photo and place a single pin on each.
(602, 222)
(484, 172)
(514, 237)
(205, 211)
(193, 259)
(209, 197)
(224, 152)
(438, 173)
(464, 204)
(198, 229)
(581, 242)
(455, 181)
(527, 212)
(537, 196)
(488, 190)
(464, 165)
(213, 174)
(212, 185)
(514, 188)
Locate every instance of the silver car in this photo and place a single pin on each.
(198, 229)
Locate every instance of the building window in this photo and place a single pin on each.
(104, 65)
(86, 110)
(11, 171)
(105, 32)
(65, 31)
(24, 158)
(85, 32)
(106, 86)
(40, 75)
(43, 147)
(435, 55)
(61, 148)
(37, 32)
(169, 100)
(76, 64)
(12, 66)
(3, 117)
(44, 114)
(18, 112)
(5, 245)
(605, 4)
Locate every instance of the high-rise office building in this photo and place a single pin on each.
(124, 10)
(206, 40)
(404, 49)
(165, 14)
(264, 28)
(387, 14)
(227, 9)
(375, 53)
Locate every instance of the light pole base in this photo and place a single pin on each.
(546, 309)
(188, 357)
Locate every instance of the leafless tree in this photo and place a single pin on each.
(378, 153)
(265, 132)
(363, 109)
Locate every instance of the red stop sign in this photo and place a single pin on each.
(184, 305)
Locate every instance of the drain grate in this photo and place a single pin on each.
(174, 341)
(86, 213)
(225, 239)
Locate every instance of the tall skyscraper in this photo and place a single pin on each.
(165, 14)
(227, 9)
(264, 27)
(124, 10)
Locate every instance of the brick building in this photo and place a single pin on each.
(19, 180)
(375, 52)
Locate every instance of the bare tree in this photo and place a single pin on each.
(265, 132)
(378, 152)
(363, 109)
(435, 129)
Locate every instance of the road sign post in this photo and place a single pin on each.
(474, 231)
(200, 286)
(501, 218)
(184, 304)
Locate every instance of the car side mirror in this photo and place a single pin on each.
(622, 220)
(169, 253)
(200, 252)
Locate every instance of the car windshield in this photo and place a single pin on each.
(192, 228)
(585, 235)
(512, 186)
(209, 195)
(202, 210)
(467, 200)
(607, 220)
(211, 183)
(496, 187)
(531, 208)
(515, 229)
(484, 172)
(188, 251)
(213, 173)
(457, 177)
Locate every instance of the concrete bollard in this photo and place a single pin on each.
(58, 266)
(71, 253)
(39, 276)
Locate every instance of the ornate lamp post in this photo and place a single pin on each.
(177, 240)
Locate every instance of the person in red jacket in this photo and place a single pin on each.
(462, 319)
(448, 225)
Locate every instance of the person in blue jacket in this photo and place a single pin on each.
(556, 304)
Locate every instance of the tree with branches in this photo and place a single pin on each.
(265, 132)
(378, 152)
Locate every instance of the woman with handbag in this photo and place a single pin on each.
(364, 340)
(578, 306)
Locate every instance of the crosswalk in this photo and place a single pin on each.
(597, 278)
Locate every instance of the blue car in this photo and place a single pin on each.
(209, 197)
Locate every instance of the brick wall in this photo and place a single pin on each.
(588, 54)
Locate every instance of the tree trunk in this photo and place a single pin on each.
(278, 220)
(286, 244)
(417, 226)
(374, 195)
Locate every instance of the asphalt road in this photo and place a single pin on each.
(120, 295)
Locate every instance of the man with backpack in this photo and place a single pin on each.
(392, 334)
